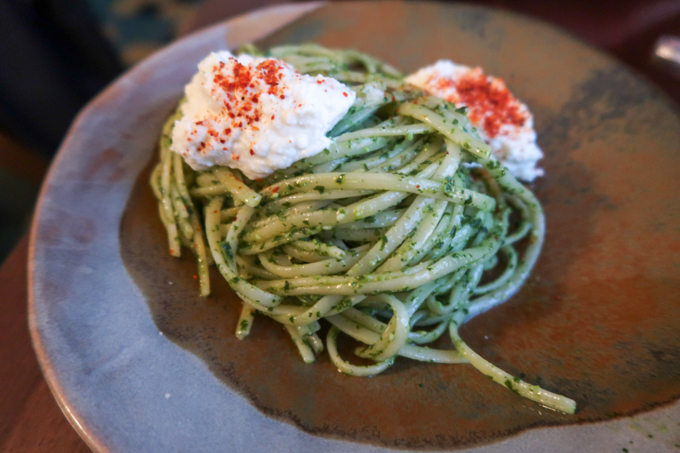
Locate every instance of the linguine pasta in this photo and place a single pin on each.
(390, 235)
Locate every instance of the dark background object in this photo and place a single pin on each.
(54, 60)
(58, 60)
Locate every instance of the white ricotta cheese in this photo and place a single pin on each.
(501, 120)
(256, 114)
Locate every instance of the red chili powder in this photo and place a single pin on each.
(490, 103)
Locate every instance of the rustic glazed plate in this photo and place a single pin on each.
(138, 362)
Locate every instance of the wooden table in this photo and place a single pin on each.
(30, 420)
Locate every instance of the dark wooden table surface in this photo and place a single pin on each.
(31, 421)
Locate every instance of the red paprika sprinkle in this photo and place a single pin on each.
(240, 88)
(490, 103)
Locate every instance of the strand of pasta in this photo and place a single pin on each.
(517, 385)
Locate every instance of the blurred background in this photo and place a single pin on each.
(58, 54)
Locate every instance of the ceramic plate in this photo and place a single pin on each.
(139, 362)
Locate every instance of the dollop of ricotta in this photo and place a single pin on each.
(501, 120)
(256, 114)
